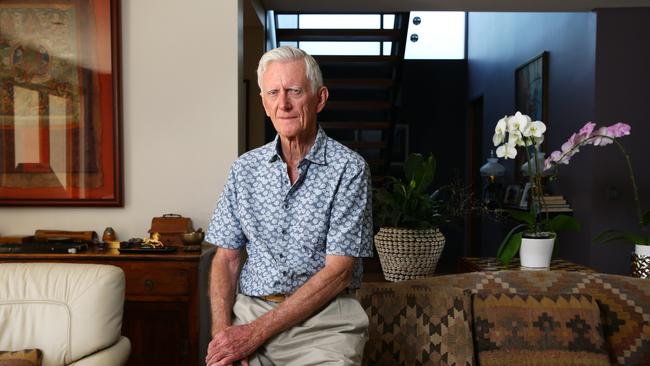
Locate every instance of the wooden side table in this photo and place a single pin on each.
(161, 308)
(487, 264)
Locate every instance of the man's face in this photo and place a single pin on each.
(288, 99)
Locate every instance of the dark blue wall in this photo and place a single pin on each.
(599, 70)
(500, 42)
(622, 94)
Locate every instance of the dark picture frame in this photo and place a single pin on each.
(61, 111)
(531, 96)
(531, 87)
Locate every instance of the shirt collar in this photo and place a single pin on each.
(316, 153)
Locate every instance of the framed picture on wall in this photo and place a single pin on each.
(531, 87)
(531, 95)
(60, 110)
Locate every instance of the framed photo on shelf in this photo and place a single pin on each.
(523, 201)
(60, 110)
(512, 194)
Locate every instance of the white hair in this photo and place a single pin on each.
(288, 54)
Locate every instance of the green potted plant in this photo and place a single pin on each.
(534, 238)
(409, 242)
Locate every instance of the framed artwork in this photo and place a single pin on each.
(60, 110)
(512, 195)
(531, 95)
(531, 88)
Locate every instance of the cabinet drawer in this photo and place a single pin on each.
(165, 281)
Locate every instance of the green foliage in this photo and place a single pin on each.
(510, 244)
(561, 223)
(532, 225)
(614, 235)
(645, 220)
(408, 203)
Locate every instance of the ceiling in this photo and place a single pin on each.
(456, 5)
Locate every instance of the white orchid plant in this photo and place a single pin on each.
(510, 133)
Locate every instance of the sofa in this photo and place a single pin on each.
(509, 318)
(62, 314)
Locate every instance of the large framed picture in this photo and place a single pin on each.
(60, 103)
(531, 88)
(531, 95)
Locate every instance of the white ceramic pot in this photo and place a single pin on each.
(642, 249)
(536, 252)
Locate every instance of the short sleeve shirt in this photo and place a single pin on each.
(287, 230)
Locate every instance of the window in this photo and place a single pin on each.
(339, 21)
(341, 48)
(439, 34)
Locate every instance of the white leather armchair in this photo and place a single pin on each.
(72, 312)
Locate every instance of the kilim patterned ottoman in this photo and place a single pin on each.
(623, 306)
(421, 325)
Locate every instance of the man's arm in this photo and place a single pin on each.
(224, 275)
(237, 342)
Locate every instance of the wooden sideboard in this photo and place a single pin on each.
(161, 309)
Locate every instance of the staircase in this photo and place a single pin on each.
(361, 110)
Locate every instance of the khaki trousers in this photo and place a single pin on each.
(335, 335)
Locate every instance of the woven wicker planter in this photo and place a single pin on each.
(407, 254)
(641, 261)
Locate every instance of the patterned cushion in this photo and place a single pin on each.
(624, 302)
(421, 325)
(511, 329)
(28, 357)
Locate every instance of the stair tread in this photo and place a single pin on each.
(337, 34)
(382, 125)
(358, 105)
(355, 59)
(375, 161)
(365, 144)
(359, 83)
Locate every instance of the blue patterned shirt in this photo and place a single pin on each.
(288, 230)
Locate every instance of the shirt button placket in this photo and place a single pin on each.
(285, 238)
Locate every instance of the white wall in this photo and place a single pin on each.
(180, 100)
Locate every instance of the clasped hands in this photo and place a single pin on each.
(232, 344)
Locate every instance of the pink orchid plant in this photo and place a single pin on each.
(589, 134)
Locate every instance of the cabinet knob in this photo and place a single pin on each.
(148, 284)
